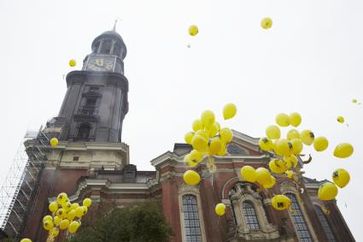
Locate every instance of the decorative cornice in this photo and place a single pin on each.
(106, 185)
(113, 78)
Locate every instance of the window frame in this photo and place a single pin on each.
(249, 217)
(304, 217)
(189, 190)
(327, 228)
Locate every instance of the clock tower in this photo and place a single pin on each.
(88, 127)
(96, 100)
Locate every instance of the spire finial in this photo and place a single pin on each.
(114, 26)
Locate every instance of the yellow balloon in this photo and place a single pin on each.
(277, 166)
(293, 134)
(223, 150)
(307, 137)
(229, 111)
(72, 63)
(327, 191)
(220, 209)
(207, 118)
(295, 119)
(297, 146)
(212, 130)
(87, 202)
(54, 232)
(218, 126)
(290, 161)
(53, 206)
(289, 174)
(280, 202)
(270, 184)
(79, 212)
(203, 133)
(266, 23)
(73, 227)
(340, 119)
(191, 177)
(189, 137)
(273, 132)
(66, 206)
(60, 213)
(53, 142)
(320, 143)
(283, 147)
(189, 161)
(57, 220)
(85, 210)
(64, 224)
(26, 240)
(248, 173)
(226, 135)
(287, 162)
(215, 146)
(71, 214)
(193, 30)
(200, 143)
(262, 175)
(48, 225)
(196, 156)
(197, 125)
(282, 119)
(62, 198)
(47, 217)
(74, 205)
(343, 150)
(341, 177)
(266, 144)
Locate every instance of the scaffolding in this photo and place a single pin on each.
(20, 185)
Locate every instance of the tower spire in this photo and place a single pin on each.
(114, 25)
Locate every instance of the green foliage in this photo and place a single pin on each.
(141, 222)
(8, 240)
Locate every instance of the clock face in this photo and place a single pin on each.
(100, 64)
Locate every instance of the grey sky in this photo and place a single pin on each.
(310, 61)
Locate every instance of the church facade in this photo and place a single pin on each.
(92, 161)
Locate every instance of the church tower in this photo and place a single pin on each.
(96, 100)
(88, 127)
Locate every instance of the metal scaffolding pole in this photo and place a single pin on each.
(19, 185)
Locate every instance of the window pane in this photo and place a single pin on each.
(250, 215)
(106, 46)
(298, 219)
(191, 219)
(324, 222)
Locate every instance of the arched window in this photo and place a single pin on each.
(84, 131)
(324, 222)
(117, 50)
(250, 215)
(106, 46)
(192, 229)
(298, 220)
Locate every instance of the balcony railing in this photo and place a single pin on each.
(88, 110)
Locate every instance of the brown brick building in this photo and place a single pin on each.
(91, 161)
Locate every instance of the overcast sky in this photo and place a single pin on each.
(310, 61)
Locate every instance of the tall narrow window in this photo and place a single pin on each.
(191, 219)
(84, 131)
(324, 222)
(91, 102)
(106, 46)
(250, 215)
(298, 219)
